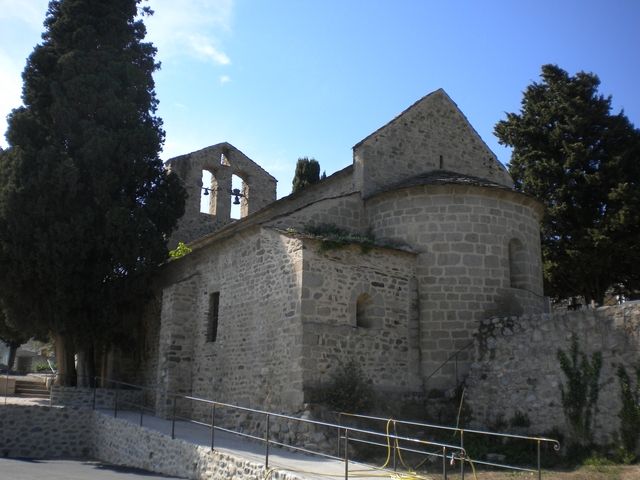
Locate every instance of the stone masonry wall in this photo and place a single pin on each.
(517, 369)
(259, 188)
(103, 397)
(44, 432)
(345, 212)
(387, 347)
(175, 341)
(124, 443)
(432, 134)
(255, 360)
(462, 236)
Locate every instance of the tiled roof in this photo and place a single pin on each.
(444, 177)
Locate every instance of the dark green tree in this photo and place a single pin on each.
(85, 203)
(307, 173)
(583, 163)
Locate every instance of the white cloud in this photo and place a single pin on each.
(178, 27)
(192, 27)
(11, 83)
(204, 47)
(21, 22)
(224, 79)
(31, 12)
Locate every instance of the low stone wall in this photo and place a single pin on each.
(55, 432)
(121, 442)
(104, 397)
(45, 432)
(290, 432)
(517, 368)
(7, 386)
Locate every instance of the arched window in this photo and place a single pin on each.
(239, 205)
(517, 264)
(208, 193)
(363, 311)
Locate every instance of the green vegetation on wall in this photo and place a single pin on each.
(333, 237)
(580, 392)
(180, 251)
(630, 410)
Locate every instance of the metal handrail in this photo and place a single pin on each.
(447, 451)
(453, 355)
(460, 455)
(555, 443)
(458, 429)
(345, 432)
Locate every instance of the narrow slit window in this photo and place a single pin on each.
(212, 325)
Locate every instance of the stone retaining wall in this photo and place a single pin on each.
(121, 442)
(283, 430)
(7, 386)
(45, 432)
(104, 398)
(53, 432)
(517, 367)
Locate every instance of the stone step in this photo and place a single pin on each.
(25, 388)
(31, 385)
(31, 395)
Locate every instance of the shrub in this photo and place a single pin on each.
(180, 251)
(41, 367)
(520, 420)
(348, 391)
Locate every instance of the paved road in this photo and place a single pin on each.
(30, 469)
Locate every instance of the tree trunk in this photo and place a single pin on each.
(86, 366)
(65, 360)
(106, 367)
(90, 370)
(13, 350)
(81, 368)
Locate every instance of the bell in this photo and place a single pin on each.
(236, 200)
(206, 191)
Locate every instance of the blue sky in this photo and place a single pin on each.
(283, 79)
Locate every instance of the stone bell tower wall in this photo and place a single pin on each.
(222, 161)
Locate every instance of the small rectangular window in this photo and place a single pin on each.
(212, 325)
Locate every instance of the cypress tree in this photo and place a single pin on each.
(85, 204)
(582, 162)
(307, 173)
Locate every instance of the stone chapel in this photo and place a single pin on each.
(259, 314)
